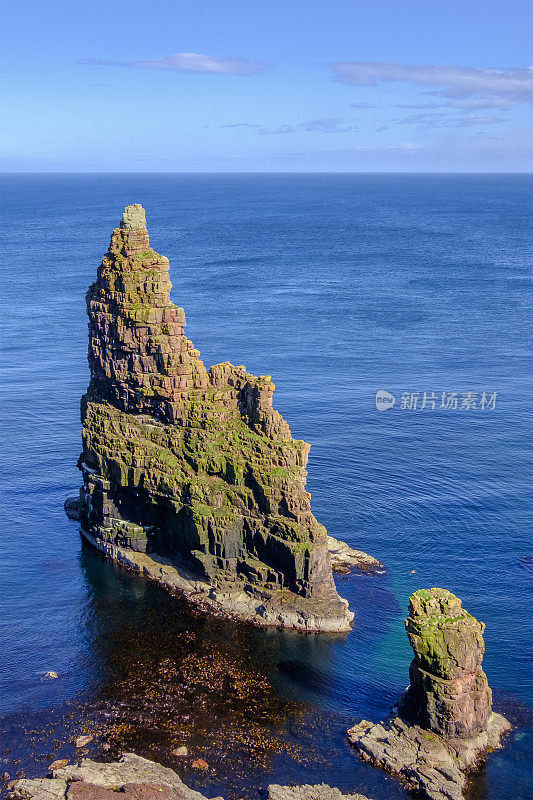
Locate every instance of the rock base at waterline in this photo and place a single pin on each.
(272, 608)
(426, 762)
(131, 778)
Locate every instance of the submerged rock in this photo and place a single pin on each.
(445, 723)
(190, 476)
(81, 741)
(58, 764)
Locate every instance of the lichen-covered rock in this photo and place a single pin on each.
(448, 691)
(190, 465)
(137, 778)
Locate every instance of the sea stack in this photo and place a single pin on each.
(449, 692)
(189, 475)
(444, 722)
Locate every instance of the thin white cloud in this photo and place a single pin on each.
(326, 125)
(494, 101)
(436, 120)
(190, 62)
(239, 125)
(461, 150)
(496, 88)
(379, 148)
(418, 105)
(281, 129)
(323, 125)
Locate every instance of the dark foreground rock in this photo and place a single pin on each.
(189, 475)
(445, 724)
(136, 778)
(131, 778)
(72, 508)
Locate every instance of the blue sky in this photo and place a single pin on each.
(263, 85)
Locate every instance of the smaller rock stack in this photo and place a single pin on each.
(448, 693)
(444, 722)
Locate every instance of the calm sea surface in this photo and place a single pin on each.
(338, 286)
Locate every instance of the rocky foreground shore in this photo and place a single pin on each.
(137, 778)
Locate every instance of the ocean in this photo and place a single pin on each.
(339, 286)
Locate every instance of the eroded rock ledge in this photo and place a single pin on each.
(344, 558)
(444, 724)
(306, 792)
(190, 475)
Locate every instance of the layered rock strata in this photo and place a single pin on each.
(444, 723)
(190, 475)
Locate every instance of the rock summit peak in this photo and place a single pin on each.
(134, 216)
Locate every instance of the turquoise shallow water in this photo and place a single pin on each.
(337, 286)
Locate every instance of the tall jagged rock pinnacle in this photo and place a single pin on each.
(449, 692)
(189, 474)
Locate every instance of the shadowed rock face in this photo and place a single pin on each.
(448, 692)
(190, 464)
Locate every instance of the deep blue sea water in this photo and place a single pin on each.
(338, 286)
